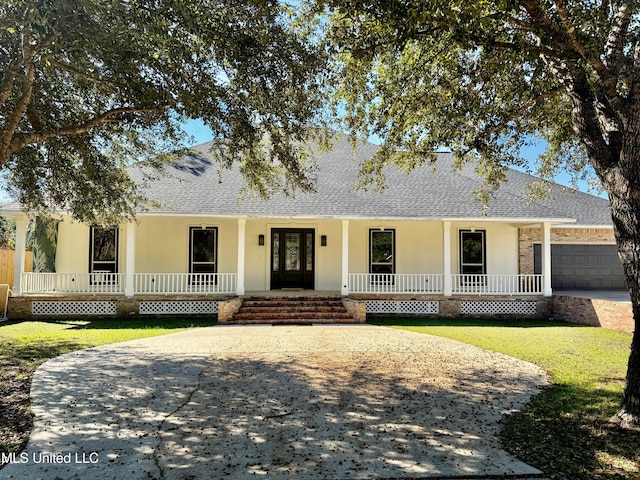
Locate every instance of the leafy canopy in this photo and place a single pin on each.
(477, 77)
(89, 87)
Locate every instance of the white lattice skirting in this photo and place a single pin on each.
(403, 306)
(74, 308)
(497, 308)
(183, 308)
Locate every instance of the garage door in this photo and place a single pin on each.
(583, 267)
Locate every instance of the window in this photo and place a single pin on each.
(203, 249)
(382, 247)
(103, 255)
(472, 252)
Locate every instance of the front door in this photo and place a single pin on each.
(292, 258)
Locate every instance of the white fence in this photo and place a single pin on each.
(114, 283)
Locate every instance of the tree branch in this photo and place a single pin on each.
(8, 79)
(587, 124)
(17, 114)
(613, 49)
(23, 140)
(609, 81)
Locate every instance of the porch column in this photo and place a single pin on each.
(130, 260)
(446, 238)
(18, 263)
(345, 258)
(242, 223)
(546, 259)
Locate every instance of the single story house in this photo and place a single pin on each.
(422, 246)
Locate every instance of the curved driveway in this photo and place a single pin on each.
(331, 402)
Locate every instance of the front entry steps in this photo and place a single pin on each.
(292, 311)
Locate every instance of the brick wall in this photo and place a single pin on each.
(528, 236)
(599, 313)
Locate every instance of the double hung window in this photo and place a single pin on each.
(103, 255)
(382, 246)
(203, 253)
(472, 252)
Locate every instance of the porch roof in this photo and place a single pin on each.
(195, 186)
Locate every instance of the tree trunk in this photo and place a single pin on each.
(624, 194)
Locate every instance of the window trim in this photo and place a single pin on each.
(462, 264)
(393, 249)
(193, 229)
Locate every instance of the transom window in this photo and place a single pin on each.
(382, 249)
(103, 255)
(203, 247)
(472, 252)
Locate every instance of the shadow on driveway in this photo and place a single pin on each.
(312, 402)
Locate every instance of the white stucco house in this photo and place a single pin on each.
(424, 240)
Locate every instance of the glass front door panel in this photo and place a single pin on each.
(275, 251)
(292, 247)
(309, 250)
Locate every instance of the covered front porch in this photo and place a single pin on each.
(419, 258)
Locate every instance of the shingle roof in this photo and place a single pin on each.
(192, 186)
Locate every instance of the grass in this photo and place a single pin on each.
(24, 346)
(565, 431)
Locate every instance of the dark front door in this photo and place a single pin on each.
(292, 258)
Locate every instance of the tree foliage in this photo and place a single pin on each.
(483, 78)
(89, 87)
(474, 77)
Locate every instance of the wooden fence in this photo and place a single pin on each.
(6, 265)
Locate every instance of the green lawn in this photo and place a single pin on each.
(565, 431)
(26, 345)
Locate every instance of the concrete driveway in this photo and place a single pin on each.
(319, 402)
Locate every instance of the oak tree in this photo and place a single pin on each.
(484, 78)
(90, 87)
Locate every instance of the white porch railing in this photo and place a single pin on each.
(185, 283)
(226, 283)
(434, 283)
(395, 283)
(114, 283)
(81, 283)
(498, 284)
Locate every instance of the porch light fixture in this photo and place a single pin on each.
(261, 240)
(323, 240)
